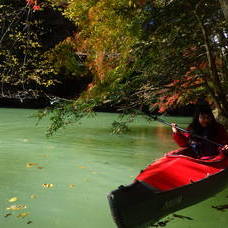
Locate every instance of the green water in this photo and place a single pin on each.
(83, 163)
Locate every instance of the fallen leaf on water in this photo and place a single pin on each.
(44, 155)
(25, 140)
(6, 215)
(16, 207)
(13, 199)
(86, 179)
(31, 164)
(182, 217)
(162, 223)
(82, 167)
(33, 196)
(48, 185)
(221, 207)
(23, 214)
(40, 167)
(29, 222)
(72, 185)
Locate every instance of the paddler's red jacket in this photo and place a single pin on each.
(182, 139)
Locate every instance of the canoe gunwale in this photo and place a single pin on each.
(213, 159)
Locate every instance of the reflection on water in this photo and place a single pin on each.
(63, 181)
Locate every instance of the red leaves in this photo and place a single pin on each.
(203, 65)
(30, 2)
(36, 8)
(179, 91)
(33, 4)
(189, 52)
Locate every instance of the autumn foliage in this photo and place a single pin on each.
(34, 4)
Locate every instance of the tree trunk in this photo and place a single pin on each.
(220, 95)
(224, 6)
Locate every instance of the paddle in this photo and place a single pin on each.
(184, 130)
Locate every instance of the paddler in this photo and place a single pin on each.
(205, 125)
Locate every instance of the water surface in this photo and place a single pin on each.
(63, 181)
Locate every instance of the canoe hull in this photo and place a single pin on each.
(138, 204)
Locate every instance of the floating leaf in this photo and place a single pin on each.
(31, 164)
(72, 185)
(13, 199)
(48, 185)
(16, 207)
(7, 215)
(40, 167)
(221, 207)
(44, 155)
(182, 217)
(82, 167)
(33, 196)
(162, 223)
(23, 214)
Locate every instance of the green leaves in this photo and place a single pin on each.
(142, 54)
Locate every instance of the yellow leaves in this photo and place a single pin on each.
(130, 3)
(31, 164)
(13, 199)
(33, 196)
(16, 207)
(48, 185)
(82, 167)
(44, 155)
(72, 185)
(23, 214)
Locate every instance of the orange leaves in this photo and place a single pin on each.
(177, 91)
(189, 52)
(193, 68)
(168, 101)
(31, 2)
(203, 65)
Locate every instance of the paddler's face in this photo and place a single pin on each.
(205, 120)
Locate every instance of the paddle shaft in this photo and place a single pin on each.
(184, 130)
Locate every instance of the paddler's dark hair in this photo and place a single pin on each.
(195, 126)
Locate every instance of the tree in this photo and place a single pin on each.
(24, 67)
(156, 54)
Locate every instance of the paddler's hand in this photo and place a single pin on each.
(174, 127)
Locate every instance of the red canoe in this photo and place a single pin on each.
(173, 182)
